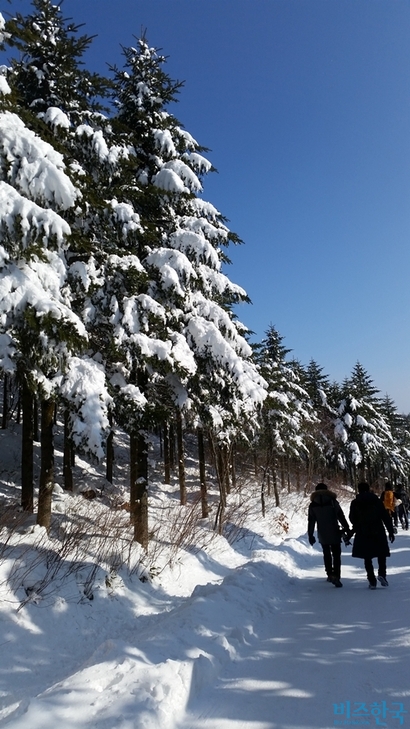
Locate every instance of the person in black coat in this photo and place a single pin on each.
(325, 511)
(370, 521)
(402, 501)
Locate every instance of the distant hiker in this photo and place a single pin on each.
(325, 511)
(402, 506)
(388, 500)
(369, 519)
(405, 498)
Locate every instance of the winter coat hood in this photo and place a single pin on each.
(323, 496)
(326, 512)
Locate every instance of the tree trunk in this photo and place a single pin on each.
(218, 462)
(233, 466)
(220, 517)
(202, 473)
(18, 411)
(282, 473)
(181, 459)
(369, 470)
(36, 433)
(298, 476)
(110, 453)
(221, 474)
(139, 487)
(310, 471)
(27, 487)
(263, 504)
(46, 484)
(288, 473)
(172, 446)
(354, 477)
(5, 416)
(255, 463)
(161, 453)
(67, 458)
(167, 458)
(227, 469)
(275, 482)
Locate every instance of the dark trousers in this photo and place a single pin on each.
(368, 565)
(332, 558)
(403, 517)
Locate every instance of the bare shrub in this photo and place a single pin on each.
(81, 542)
(177, 528)
(235, 517)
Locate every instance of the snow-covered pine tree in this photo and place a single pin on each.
(396, 463)
(67, 100)
(403, 442)
(316, 383)
(38, 326)
(35, 145)
(202, 347)
(361, 428)
(321, 444)
(287, 413)
(49, 73)
(122, 276)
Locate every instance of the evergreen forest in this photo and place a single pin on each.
(117, 314)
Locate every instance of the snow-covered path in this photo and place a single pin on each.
(271, 645)
(320, 646)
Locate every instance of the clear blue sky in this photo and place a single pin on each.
(305, 106)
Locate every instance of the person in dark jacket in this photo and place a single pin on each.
(402, 506)
(370, 521)
(326, 512)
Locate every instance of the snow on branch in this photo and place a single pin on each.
(209, 342)
(27, 220)
(195, 245)
(84, 387)
(176, 176)
(56, 117)
(33, 166)
(38, 284)
(173, 266)
(198, 162)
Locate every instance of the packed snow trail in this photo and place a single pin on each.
(270, 646)
(320, 654)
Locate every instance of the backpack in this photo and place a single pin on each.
(388, 500)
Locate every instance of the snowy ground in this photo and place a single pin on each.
(247, 635)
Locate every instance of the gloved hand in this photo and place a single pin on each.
(392, 538)
(312, 541)
(346, 539)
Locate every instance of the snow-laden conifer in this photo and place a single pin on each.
(184, 255)
(56, 96)
(288, 413)
(361, 429)
(44, 334)
(179, 339)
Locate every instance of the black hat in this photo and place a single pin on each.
(321, 487)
